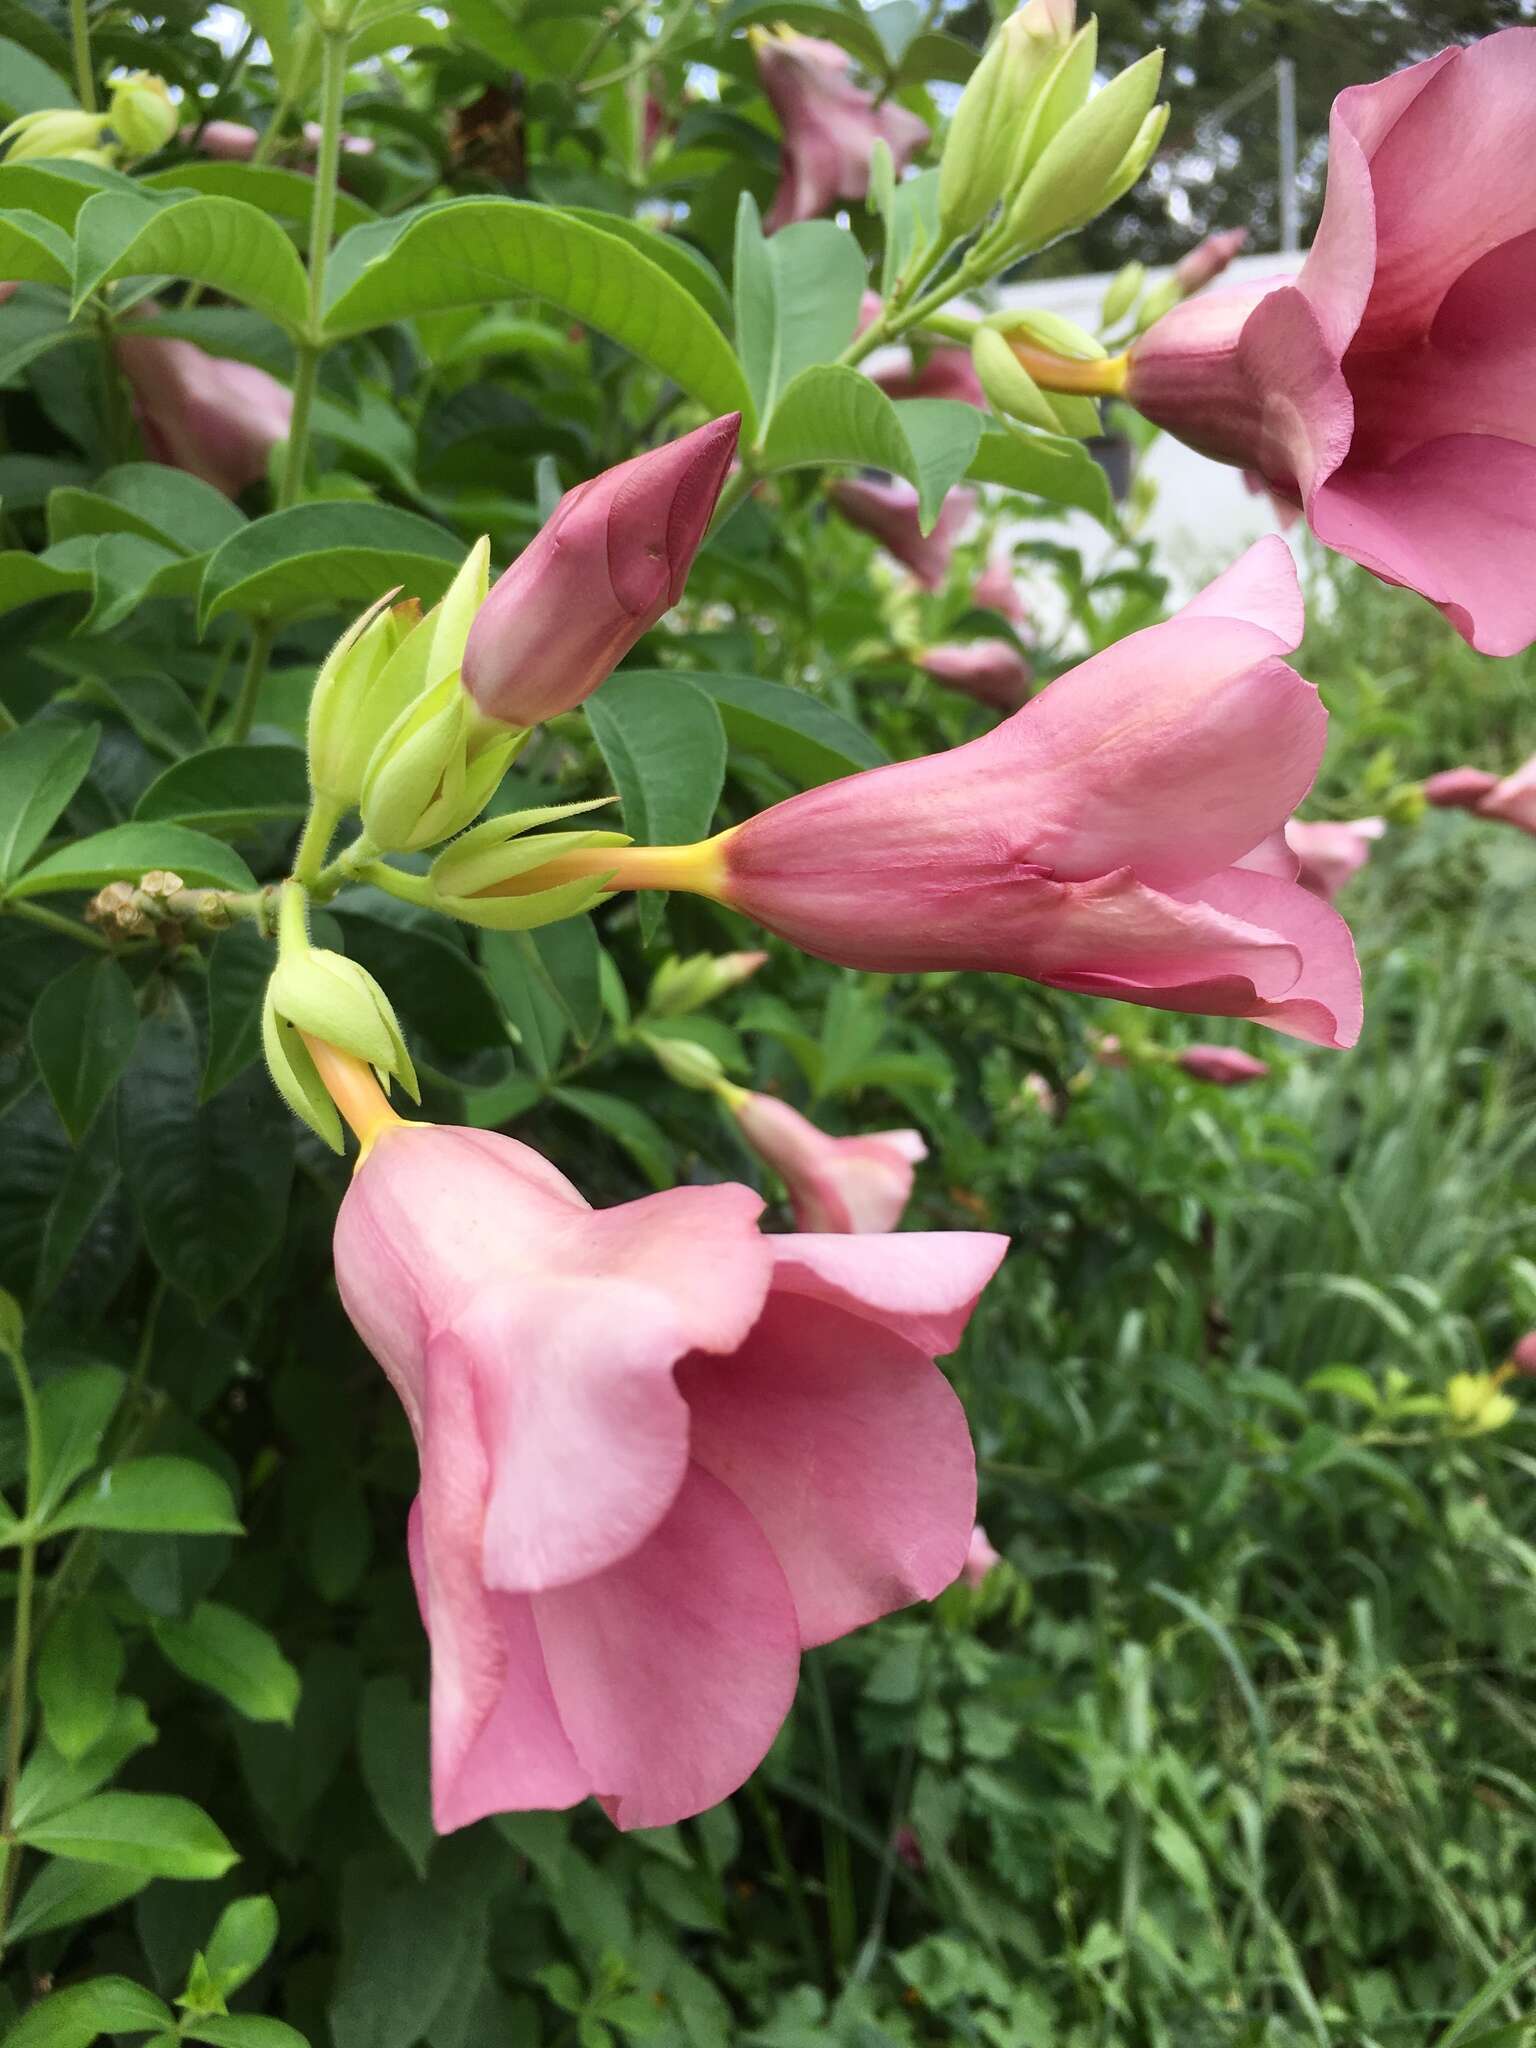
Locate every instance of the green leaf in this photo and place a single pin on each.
(797, 300)
(144, 1831)
(799, 735)
(286, 195)
(78, 1673)
(242, 1939)
(29, 84)
(49, 1782)
(169, 1496)
(83, 1033)
(64, 1892)
(327, 558)
(681, 261)
(158, 503)
(538, 1018)
(80, 2015)
(238, 967)
(74, 1409)
(41, 767)
(225, 243)
(664, 745)
(628, 1125)
(835, 414)
(1046, 466)
(244, 2030)
(850, 30)
(570, 960)
(57, 190)
(1348, 1382)
(209, 1179)
(125, 852)
(393, 1747)
(229, 790)
(218, 1647)
(33, 250)
(470, 252)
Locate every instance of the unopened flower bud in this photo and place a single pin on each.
(495, 877)
(1476, 1403)
(1224, 1066)
(348, 711)
(1207, 260)
(682, 985)
(1008, 385)
(1459, 789)
(53, 132)
(684, 1060)
(328, 996)
(142, 113)
(611, 559)
(979, 149)
(1076, 173)
(1124, 290)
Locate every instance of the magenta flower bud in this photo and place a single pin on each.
(1222, 1065)
(1459, 789)
(889, 512)
(849, 1185)
(1329, 855)
(992, 671)
(1523, 1357)
(828, 124)
(610, 560)
(1207, 260)
(1386, 387)
(213, 417)
(981, 1559)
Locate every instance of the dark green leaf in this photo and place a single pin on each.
(221, 1648)
(628, 1125)
(229, 791)
(127, 852)
(76, 2017)
(83, 1034)
(238, 968)
(393, 1742)
(327, 558)
(665, 748)
(41, 767)
(799, 735)
(78, 1672)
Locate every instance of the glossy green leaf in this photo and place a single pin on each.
(286, 195)
(143, 1831)
(78, 1673)
(65, 1892)
(797, 734)
(153, 1496)
(664, 745)
(41, 767)
(327, 558)
(50, 1782)
(74, 1409)
(229, 791)
(238, 968)
(223, 1649)
(244, 2030)
(630, 1126)
(1045, 466)
(125, 852)
(83, 1033)
(835, 414)
(158, 503)
(33, 250)
(82, 2013)
(57, 189)
(225, 243)
(679, 259)
(797, 300)
(242, 1939)
(470, 252)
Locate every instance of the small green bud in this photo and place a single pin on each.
(347, 711)
(682, 985)
(995, 107)
(1064, 92)
(1139, 155)
(1053, 332)
(684, 1060)
(55, 132)
(327, 996)
(142, 113)
(1076, 175)
(1124, 290)
(1008, 384)
(295, 1076)
(1163, 296)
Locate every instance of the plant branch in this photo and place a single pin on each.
(243, 716)
(21, 1640)
(80, 39)
(55, 921)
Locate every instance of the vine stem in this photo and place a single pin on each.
(21, 1640)
(243, 716)
(322, 226)
(80, 37)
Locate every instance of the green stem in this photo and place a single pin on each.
(395, 882)
(243, 716)
(292, 919)
(119, 422)
(80, 37)
(788, 1876)
(322, 227)
(56, 922)
(21, 1642)
(319, 831)
(215, 685)
(346, 867)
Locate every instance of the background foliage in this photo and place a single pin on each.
(1237, 1749)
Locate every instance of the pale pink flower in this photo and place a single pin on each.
(889, 511)
(216, 418)
(1331, 854)
(840, 1184)
(1459, 789)
(992, 671)
(996, 591)
(980, 1558)
(660, 1454)
(235, 141)
(1222, 1065)
(1388, 386)
(829, 126)
(1513, 801)
(1208, 259)
(612, 557)
(1122, 835)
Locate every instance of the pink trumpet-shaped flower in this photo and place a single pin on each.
(848, 1185)
(213, 417)
(612, 557)
(1388, 388)
(1513, 801)
(829, 126)
(992, 671)
(1330, 855)
(1459, 789)
(1122, 835)
(660, 1454)
(1523, 1356)
(1208, 259)
(944, 373)
(889, 511)
(980, 1558)
(1223, 1065)
(995, 590)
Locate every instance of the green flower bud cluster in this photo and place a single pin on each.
(140, 119)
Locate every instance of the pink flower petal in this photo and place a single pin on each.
(813, 1423)
(674, 1669)
(922, 1285)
